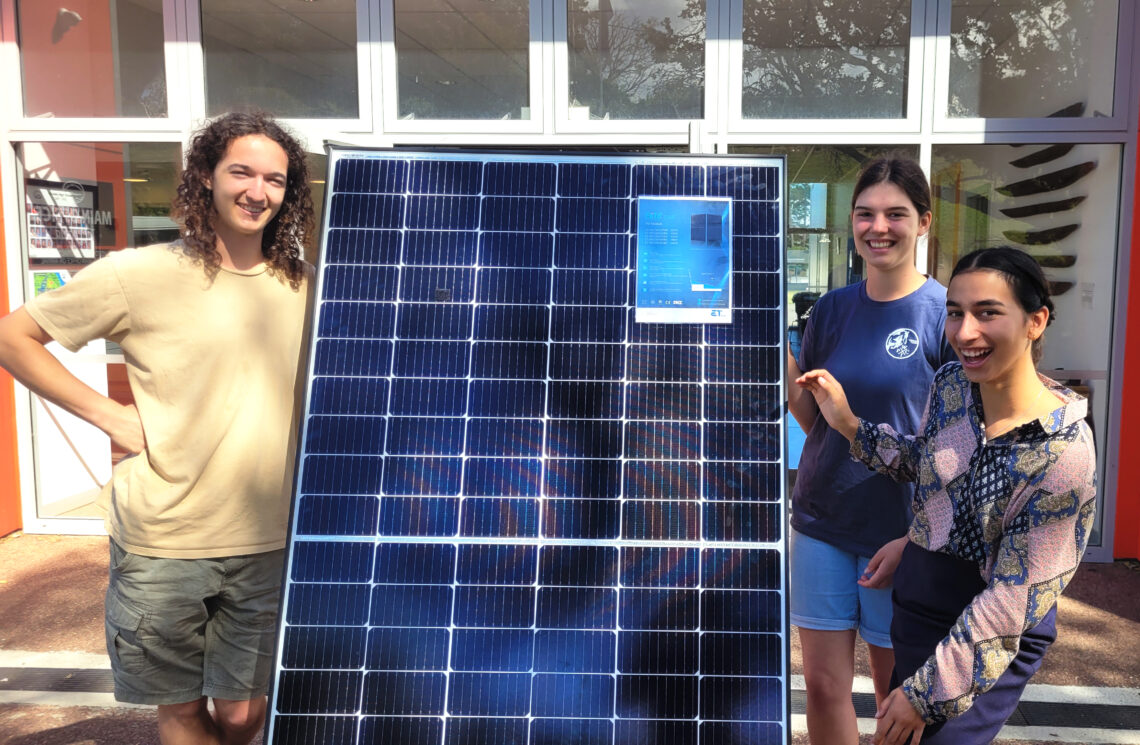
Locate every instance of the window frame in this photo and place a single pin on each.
(942, 123)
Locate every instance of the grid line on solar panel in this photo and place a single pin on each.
(500, 429)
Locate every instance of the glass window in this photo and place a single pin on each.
(318, 172)
(467, 60)
(1027, 58)
(1059, 203)
(294, 59)
(636, 59)
(81, 200)
(94, 59)
(849, 61)
(820, 251)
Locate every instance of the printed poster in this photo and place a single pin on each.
(684, 260)
(61, 220)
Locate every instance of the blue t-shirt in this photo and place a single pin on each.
(885, 355)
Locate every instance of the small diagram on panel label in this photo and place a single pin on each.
(684, 260)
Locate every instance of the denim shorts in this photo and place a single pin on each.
(180, 629)
(825, 595)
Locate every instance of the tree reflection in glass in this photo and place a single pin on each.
(825, 59)
(1027, 58)
(636, 59)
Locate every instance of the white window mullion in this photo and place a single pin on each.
(12, 102)
(732, 105)
(554, 92)
(536, 74)
(373, 56)
(716, 72)
(195, 62)
(389, 80)
(366, 37)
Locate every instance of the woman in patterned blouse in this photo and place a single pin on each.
(1005, 470)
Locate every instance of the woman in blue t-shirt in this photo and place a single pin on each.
(882, 339)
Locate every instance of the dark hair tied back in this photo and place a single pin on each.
(1021, 272)
(900, 170)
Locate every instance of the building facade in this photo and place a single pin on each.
(1023, 112)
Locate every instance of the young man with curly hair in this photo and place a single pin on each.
(212, 330)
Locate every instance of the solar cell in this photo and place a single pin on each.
(521, 517)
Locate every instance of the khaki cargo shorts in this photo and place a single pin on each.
(180, 629)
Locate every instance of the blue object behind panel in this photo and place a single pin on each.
(520, 516)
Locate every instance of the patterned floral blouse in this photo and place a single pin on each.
(1019, 506)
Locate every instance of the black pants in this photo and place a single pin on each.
(930, 591)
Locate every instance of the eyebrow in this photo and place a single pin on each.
(239, 164)
(983, 303)
(887, 209)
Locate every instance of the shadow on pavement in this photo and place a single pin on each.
(49, 725)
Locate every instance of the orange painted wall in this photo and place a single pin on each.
(67, 74)
(10, 518)
(1127, 543)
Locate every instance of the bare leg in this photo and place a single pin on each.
(882, 663)
(187, 724)
(829, 671)
(239, 721)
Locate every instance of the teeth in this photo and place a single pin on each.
(974, 353)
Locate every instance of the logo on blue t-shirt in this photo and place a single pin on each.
(902, 343)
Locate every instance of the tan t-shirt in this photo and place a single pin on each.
(213, 365)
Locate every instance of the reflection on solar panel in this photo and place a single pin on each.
(521, 517)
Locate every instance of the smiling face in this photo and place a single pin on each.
(886, 226)
(988, 328)
(248, 185)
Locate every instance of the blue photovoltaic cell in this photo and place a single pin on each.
(583, 478)
(356, 320)
(362, 247)
(511, 323)
(509, 360)
(428, 396)
(337, 514)
(662, 480)
(360, 283)
(365, 211)
(516, 249)
(510, 178)
(591, 251)
(521, 517)
(526, 286)
(593, 180)
(518, 398)
(587, 361)
(585, 400)
(438, 248)
(420, 284)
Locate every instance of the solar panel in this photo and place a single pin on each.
(521, 516)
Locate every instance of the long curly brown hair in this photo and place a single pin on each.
(283, 241)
